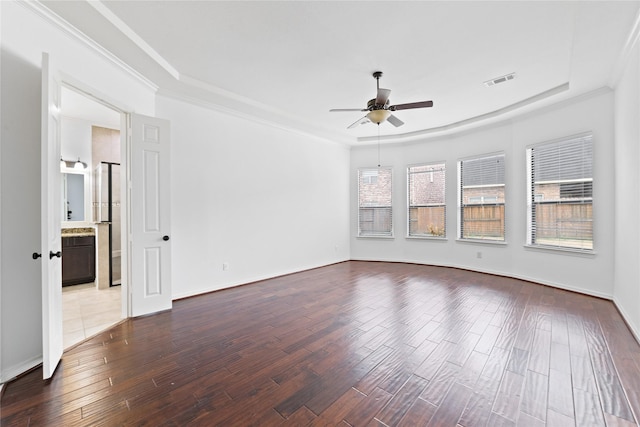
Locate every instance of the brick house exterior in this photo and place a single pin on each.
(427, 210)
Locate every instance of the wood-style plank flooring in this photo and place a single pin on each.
(351, 344)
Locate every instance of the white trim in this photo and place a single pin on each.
(625, 53)
(199, 102)
(564, 249)
(45, 13)
(253, 279)
(626, 317)
(71, 83)
(124, 112)
(410, 136)
(258, 115)
(12, 372)
(134, 37)
(199, 84)
(414, 237)
(497, 273)
(483, 241)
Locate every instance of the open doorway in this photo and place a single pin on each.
(91, 227)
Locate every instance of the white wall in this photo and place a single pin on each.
(76, 139)
(20, 171)
(627, 176)
(266, 201)
(25, 35)
(591, 274)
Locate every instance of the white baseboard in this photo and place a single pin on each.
(247, 280)
(14, 371)
(627, 319)
(502, 274)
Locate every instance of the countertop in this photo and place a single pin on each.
(78, 232)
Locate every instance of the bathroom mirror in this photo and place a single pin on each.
(74, 200)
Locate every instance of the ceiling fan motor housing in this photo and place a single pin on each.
(371, 105)
(379, 109)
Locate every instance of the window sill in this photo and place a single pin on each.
(483, 242)
(376, 237)
(568, 251)
(436, 238)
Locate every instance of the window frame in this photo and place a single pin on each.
(375, 234)
(443, 204)
(461, 205)
(534, 200)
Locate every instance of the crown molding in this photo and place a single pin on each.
(625, 54)
(52, 18)
(134, 37)
(243, 100)
(252, 117)
(462, 124)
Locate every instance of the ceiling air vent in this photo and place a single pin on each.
(500, 79)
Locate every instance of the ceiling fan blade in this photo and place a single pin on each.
(410, 105)
(394, 120)
(383, 96)
(361, 121)
(333, 110)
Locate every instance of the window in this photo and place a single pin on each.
(374, 202)
(560, 194)
(370, 176)
(481, 198)
(426, 194)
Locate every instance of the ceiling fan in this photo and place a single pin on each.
(379, 109)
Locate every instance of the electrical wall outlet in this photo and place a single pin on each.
(478, 255)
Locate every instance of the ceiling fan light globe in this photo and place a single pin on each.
(378, 116)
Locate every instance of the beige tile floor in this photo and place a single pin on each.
(87, 311)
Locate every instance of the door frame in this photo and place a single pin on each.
(125, 155)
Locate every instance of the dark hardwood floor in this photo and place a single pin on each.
(356, 343)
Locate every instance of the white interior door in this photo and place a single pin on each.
(150, 204)
(50, 221)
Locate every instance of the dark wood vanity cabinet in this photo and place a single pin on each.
(78, 260)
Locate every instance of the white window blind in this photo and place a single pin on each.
(426, 200)
(481, 198)
(560, 194)
(374, 202)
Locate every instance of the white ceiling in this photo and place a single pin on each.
(289, 62)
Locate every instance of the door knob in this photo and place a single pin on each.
(165, 238)
(55, 254)
(36, 255)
